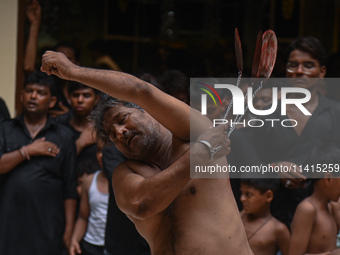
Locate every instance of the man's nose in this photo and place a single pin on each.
(300, 69)
(34, 94)
(258, 104)
(243, 198)
(80, 98)
(120, 131)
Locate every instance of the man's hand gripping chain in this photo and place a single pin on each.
(212, 150)
(216, 134)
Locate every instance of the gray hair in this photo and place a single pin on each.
(98, 113)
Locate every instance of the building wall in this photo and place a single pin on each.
(8, 51)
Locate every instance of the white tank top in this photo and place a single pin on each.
(95, 233)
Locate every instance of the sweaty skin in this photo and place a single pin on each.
(174, 213)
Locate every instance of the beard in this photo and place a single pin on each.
(144, 143)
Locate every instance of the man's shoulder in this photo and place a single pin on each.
(306, 207)
(9, 125)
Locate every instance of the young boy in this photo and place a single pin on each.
(266, 235)
(314, 229)
(89, 231)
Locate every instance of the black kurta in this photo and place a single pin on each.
(32, 194)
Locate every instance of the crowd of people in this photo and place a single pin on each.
(99, 162)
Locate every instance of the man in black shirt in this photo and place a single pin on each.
(83, 99)
(37, 176)
(4, 114)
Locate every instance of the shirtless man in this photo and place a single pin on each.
(266, 235)
(314, 226)
(174, 213)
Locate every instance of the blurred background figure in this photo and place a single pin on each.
(101, 57)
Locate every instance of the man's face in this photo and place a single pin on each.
(133, 132)
(37, 99)
(302, 67)
(83, 101)
(263, 98)
(252, 199)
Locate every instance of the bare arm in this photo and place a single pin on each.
(33, 13)
(82, 221)
(335, 209)
(70, 206)
(302, 225)
(283, 237)
(39, 147)
(142, 191)
(129, 88)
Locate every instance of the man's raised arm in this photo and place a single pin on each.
(170, 112)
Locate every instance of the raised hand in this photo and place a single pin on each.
(58, 64)
(33, 12)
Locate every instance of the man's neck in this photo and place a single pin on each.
(34, 123)
(263, 214)
(79, 123)
(319, 195)
(161, 154)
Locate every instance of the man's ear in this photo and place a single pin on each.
(323, 71)
(53, 101)
(328, 178)
(269, 196)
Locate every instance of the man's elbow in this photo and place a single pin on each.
(140, 210)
